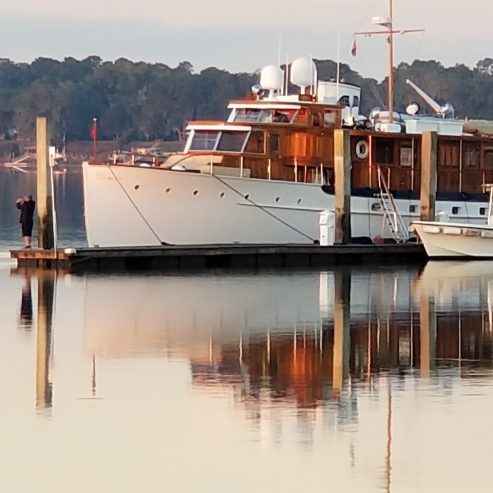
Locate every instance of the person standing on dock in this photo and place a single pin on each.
(26, 205)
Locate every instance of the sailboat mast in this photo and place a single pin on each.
(391, 63)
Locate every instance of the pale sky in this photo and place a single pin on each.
(243, 36)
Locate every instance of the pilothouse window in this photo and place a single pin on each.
(257, 115)
(204, 140)
(231, 141)
(224, 141)
(254, 115)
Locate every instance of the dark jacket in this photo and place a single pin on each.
(27, 211)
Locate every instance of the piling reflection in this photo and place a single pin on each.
(26, 309)
(44, 386)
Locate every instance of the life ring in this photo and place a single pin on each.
(362, 149)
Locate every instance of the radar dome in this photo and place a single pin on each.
(271, 78)
(303, 72)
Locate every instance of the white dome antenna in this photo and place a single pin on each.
(272, 79)
(303, 73)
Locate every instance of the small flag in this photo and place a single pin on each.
(94, 129)
(354, 48)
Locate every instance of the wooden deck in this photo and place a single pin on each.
(201, 257)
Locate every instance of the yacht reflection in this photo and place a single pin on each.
(291, 339)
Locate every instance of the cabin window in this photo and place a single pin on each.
(412, 209)
(256, 143)
(283, 116)
(471, 155)
(329, 118)
(255, 115)
(274, 144)
(344, 101)
(488, 159)
(482, 211)
(405, 157)
(316, 120)
(204, 140)
(384, 152)
(231, 141)
(301, 117)
(355, 101)
(455, 210)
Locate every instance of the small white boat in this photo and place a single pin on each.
(457, 240)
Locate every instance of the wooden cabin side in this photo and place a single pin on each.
(302, 151)
(464, 164)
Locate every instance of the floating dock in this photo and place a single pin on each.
(201, 257)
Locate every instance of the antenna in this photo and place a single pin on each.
(279, 52)
(338, 66)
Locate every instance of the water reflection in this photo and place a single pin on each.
(353, 365)
(69, 206)
(292, 339)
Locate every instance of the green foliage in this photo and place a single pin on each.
(143, 101)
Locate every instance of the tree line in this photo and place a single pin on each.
(144, 101)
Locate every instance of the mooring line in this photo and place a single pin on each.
(262, 208)
(135, 206)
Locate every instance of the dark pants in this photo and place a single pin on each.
(27, 228)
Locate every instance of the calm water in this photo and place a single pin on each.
(347, 381)
(69, 206)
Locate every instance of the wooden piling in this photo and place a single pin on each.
(44, 198)
(428, 175)
(342, 172)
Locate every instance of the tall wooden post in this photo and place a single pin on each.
(342, 334)
(46, 290)
(44, 197)
(342, 172)
(428, 175)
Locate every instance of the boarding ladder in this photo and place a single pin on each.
(391, 214)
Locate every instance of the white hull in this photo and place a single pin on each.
(135, 206)
(455, 239)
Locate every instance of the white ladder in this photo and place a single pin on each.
(391, 213)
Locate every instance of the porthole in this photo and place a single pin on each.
(221, 194)
(195, 192)
(277, 199)
(247, 197)
(136, 187)
(482, 211)
(168, 190)
(299, 201)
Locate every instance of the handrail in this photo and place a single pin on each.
(397, 223)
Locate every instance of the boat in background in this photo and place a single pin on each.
(26, 163)
(443, 239)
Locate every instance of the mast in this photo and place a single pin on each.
(387, 24)
(391, 63)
